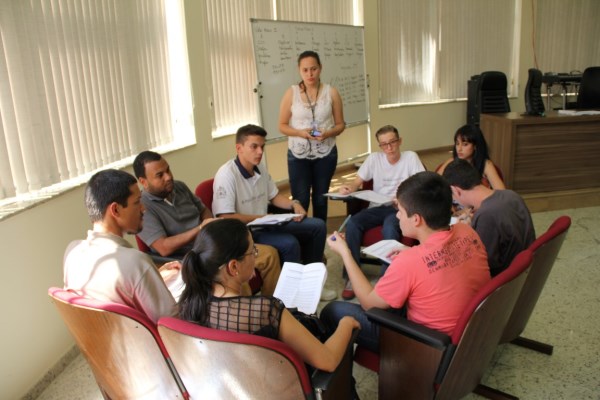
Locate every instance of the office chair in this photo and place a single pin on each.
(589, 89)
(416, 362)
(204, 191)
(545, 250)
(122, 347)
(220, 364)
(533, 93)
(487, 94)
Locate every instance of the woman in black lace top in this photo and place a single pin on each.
(215, 269)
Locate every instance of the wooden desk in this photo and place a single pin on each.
(545, 154)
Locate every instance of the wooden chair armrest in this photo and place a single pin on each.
(336, 384)
(408, 328)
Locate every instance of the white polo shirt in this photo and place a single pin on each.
(236, 191)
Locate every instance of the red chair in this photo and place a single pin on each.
(157, 258)
(416, 362)
(122, 347)
(220, 364)
(545, 250)
(204, 191)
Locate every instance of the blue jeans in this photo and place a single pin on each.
(312, 174)
(368, 336)
(298, 242)
(369, 218)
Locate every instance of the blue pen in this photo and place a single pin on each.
(342, 226)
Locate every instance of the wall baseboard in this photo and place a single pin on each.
(51, 374)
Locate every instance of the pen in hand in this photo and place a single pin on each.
(342, 226)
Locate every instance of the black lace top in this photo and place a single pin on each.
(259, 315)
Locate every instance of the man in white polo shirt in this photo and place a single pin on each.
(243, 190)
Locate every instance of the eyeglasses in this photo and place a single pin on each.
(253, 251)
(388, 144)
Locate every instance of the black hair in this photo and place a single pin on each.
(386, 129)
(218, 242)
(106, 187)
(249, 130)
(471, 133)
(139, 164)
(308, 54)
(462, 174)
(427, 194)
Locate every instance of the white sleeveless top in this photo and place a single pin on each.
(302, 118)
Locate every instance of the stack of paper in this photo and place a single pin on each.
(383, 248)
(367, 195)
(273, 219)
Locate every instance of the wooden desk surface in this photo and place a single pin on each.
(544, 154)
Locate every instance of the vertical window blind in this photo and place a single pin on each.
(566, 35)
(229, 42)
(85, 84)
(429, 49)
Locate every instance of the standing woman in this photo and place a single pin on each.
(311, 115)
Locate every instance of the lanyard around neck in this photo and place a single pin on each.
(310, 103)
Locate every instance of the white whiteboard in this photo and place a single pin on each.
(277, 45)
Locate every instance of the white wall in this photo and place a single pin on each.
(33, 337)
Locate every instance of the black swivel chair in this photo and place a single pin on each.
(589, 89)
(487, 94)
(533, 93)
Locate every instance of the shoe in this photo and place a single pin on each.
(328, 295)
(348, 292)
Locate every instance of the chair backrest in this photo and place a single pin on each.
(142, 246)
(478, 330)
(492, 93)
(589, 89)
(545, 250)
(204, 191)
(219, 364)
(534, 105)
(122, 347)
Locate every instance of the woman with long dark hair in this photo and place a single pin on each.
(470, 145)
(215, 269)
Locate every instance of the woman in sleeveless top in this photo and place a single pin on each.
(311, 115)
(470, 145)
(221, 260)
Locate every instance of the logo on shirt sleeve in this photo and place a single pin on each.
(221, 193)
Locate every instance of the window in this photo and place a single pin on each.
(231, 54)
(85, 85)
(429, 49)
(566, 37)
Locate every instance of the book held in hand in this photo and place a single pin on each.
(382, 248)
(300, 286)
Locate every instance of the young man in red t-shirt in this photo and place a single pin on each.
(432, 281)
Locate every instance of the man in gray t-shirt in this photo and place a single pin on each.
(500, 217)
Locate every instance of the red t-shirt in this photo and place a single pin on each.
(437, 278)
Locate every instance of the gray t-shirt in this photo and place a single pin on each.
(165, 219)
(504, 225)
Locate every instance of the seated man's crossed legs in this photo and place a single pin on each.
(361, 222)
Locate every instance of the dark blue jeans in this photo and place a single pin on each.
(369, 218)
(312, 174)
(302, 241)
(368, 336)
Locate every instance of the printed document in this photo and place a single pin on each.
(367, 195)
(300, 285)
(382, 248)
(273, 219)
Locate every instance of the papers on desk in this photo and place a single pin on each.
(580, 112)
(300, 285)
(273, 219)
(382, 248)
(367, 195)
